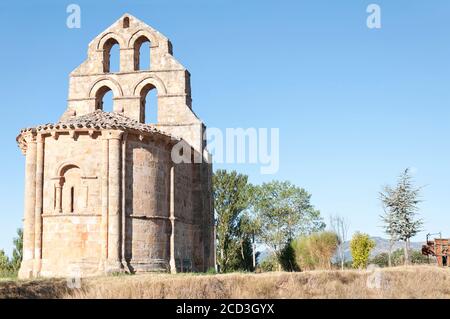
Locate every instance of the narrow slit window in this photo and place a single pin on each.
(72, 194)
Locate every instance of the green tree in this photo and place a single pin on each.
(18, 250)
(315, 251)
(360, 247)
(248, 229)
(231, 193)
(239, 257)
(401, 206)
(284, 212)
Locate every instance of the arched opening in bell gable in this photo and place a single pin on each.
(142, 54)
(111, 56)
(104, 99)
(149, 104)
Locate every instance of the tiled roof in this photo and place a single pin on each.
(100, 120)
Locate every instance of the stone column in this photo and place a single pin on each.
(38, 206)
(58, 195)
(114, 201)
(26, 268)
(124, 209)
(104, 178)
(172, 263)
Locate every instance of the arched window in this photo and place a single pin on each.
(142, 54)
(149, 104)
(104, 99)
(71, 183)
(111, 56)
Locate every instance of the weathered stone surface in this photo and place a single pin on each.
(102, 193)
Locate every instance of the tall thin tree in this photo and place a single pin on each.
(231, 193)
(401, 205)
(340, 226)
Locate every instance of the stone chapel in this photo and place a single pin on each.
(103, 193)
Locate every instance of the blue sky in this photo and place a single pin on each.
(354, 106)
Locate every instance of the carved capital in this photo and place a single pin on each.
(59, 181)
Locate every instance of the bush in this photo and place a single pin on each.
(18, 251)
(6, 269)
(287, 259)
(381, 260)
(4, 260)
(211, 271)
(269, 264)
(316, 250)
(360, 247)
(303, 253)
(416, 257)
(398, 259)
(10, 268)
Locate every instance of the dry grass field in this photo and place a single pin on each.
(399, 282)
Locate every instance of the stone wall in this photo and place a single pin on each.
(71, 216)
(147, 228)
(71, 244)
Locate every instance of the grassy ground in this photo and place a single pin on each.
(398, 282)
